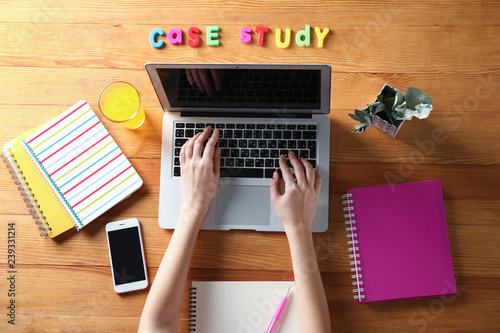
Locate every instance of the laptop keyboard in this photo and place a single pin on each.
(252, 150)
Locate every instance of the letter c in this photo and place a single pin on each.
(152, 38)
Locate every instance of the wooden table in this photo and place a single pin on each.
(54, 53)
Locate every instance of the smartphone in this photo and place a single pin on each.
(126, 255)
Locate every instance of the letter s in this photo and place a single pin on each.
(245, 35)
(193, 38)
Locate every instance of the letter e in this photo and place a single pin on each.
(212, 35)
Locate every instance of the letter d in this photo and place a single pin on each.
(306, 41)
(243, 326)
(266, 307)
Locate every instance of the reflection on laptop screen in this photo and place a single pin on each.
(242, 88)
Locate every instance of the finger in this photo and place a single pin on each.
(217, 78)
(317, 182)
(217, 164)
(297, 168)
(205, 77)
(189, 76)
(182, 154)
(275, 186)
(310, 173)
(197, 79)
(200, 140)
(285, 170)
(210, 147)
(188, 146)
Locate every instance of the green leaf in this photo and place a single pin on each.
(379, 108)
(360, 113)
(371, 118)
(399, 99)
(355, 117)
(389, 102)
(411, 97)
(423, 98)
(360, 128)
(368, 121)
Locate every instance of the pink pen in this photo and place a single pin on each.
(277, 313)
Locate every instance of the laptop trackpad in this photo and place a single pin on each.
(243, 205)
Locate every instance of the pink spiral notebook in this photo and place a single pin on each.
(399, 242)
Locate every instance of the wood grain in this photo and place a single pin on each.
(54, 53)
(347, 48)
(444, 12)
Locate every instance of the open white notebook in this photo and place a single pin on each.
(241, 306)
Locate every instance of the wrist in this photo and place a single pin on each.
(299, 234)
(192, 216)
(297, 227)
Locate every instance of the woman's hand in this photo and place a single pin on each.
(297, 205)
(200, 172)
(205, 79)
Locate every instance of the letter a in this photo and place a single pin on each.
(175, 36)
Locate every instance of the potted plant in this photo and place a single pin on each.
(391, 109)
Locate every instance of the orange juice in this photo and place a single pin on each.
(120, 102)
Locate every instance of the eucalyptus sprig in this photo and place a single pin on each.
(395, 106)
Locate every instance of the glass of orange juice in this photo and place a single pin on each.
(120, 102)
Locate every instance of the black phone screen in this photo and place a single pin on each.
(126, 255)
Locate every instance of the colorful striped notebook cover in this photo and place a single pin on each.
(81, 165)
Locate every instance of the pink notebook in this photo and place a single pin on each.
(399, 242)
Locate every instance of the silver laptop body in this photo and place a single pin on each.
(251, 104)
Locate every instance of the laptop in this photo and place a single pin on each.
(261, 111)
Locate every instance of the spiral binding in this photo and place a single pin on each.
(24, 188)
(348, 200)
(192, 310)
(62, 201)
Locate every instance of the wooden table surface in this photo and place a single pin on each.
(54, 53)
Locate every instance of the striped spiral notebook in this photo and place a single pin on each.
(81, 165)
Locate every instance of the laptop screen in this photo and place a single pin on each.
(254, 88)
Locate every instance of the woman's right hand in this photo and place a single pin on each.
(296, 206)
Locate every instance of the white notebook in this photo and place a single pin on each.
(241, 306)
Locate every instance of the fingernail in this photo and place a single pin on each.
(275, 174)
